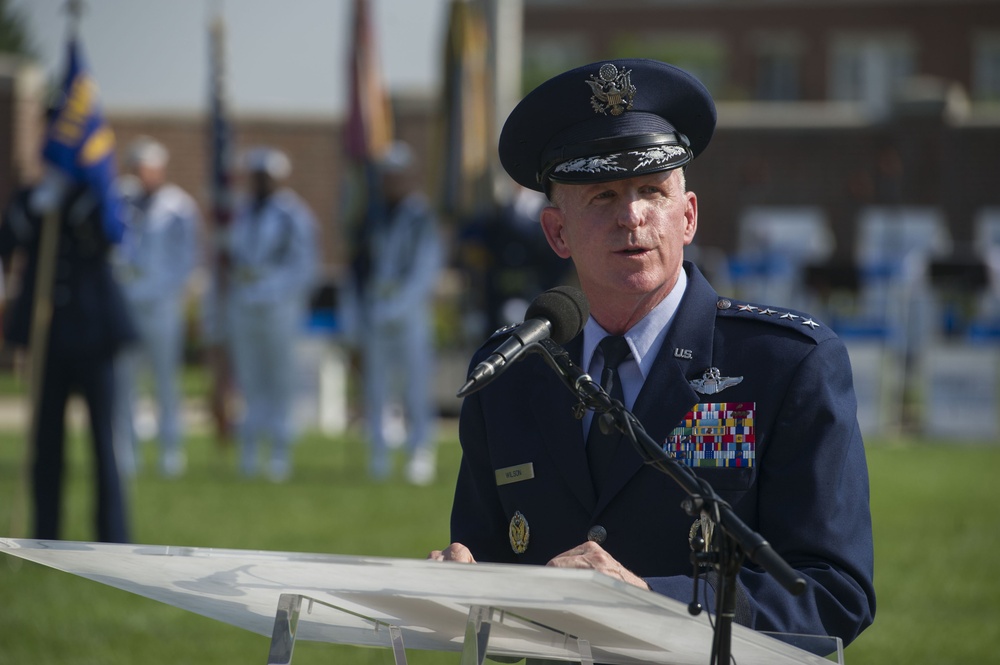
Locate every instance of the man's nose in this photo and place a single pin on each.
(630, 214)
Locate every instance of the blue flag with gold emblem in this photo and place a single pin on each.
(79, 142)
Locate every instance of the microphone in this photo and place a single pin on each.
(557, 314)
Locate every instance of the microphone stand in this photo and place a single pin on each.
(738, 539)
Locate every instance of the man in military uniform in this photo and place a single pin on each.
(89, 325)
(153, 263)
(273, 257)
(506, 253)
(758, 400)
(394, 273)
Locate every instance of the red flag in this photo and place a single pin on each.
(220, 173)
(220, 131)
(369, 126)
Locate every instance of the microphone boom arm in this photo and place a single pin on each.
(702, 499)
(592, 396)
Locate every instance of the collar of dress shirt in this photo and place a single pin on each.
(644, 338)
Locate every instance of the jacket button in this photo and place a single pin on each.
(597, 534)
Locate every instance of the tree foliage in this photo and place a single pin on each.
(14, 36)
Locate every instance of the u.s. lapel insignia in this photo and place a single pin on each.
(613, 90)
(712, 382)
(518, 533)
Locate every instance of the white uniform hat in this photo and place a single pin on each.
(271, 161)
(398, 157)
(145, 151)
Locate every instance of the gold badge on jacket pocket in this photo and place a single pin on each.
(518, 533)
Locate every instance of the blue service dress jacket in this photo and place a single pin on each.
(90, 323)
(89, 314)
(803, 483)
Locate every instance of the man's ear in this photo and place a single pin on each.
(691, 217)
(553, 225)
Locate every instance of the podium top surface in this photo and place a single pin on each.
(430, 601)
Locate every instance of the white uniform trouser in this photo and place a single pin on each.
(262, 341)
(398, 358)
(160, 327)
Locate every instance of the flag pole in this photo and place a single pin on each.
(367, 133)
(220, 148)
(41, 319)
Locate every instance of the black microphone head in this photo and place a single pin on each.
(565, 308)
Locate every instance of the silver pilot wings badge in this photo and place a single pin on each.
(712, 382)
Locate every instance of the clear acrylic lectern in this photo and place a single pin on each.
(500, 610)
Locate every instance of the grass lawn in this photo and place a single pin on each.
(935, 529)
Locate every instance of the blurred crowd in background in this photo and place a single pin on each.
(337, 275)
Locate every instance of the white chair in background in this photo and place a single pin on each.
(893, 249)
(960, 381)
(986, 246)
(775, 243)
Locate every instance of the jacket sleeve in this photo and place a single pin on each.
(184, 236)
(418, 284)
(302, 258)
(813, 508)
(295, 272)
(478, 520)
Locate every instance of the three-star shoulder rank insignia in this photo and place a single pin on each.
(518, 533)
(712, 382)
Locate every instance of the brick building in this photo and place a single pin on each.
(836, 105)
(810, 96)
(313, 144)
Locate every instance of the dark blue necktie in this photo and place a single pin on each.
(600, 446)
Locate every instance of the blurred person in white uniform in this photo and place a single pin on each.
(395, 270)
(273, 257)
(153, 263)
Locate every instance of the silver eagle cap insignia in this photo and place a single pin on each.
(712, 382)
(613, 90)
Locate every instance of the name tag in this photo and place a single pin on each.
(515, 474)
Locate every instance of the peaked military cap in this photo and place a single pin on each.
(605, 121)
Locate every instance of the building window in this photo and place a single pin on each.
(546, 55)
(869, 68)
(986, 67)
(703, 55)
(777, 67)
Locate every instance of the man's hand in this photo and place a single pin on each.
(454, 552)
(591, 556)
